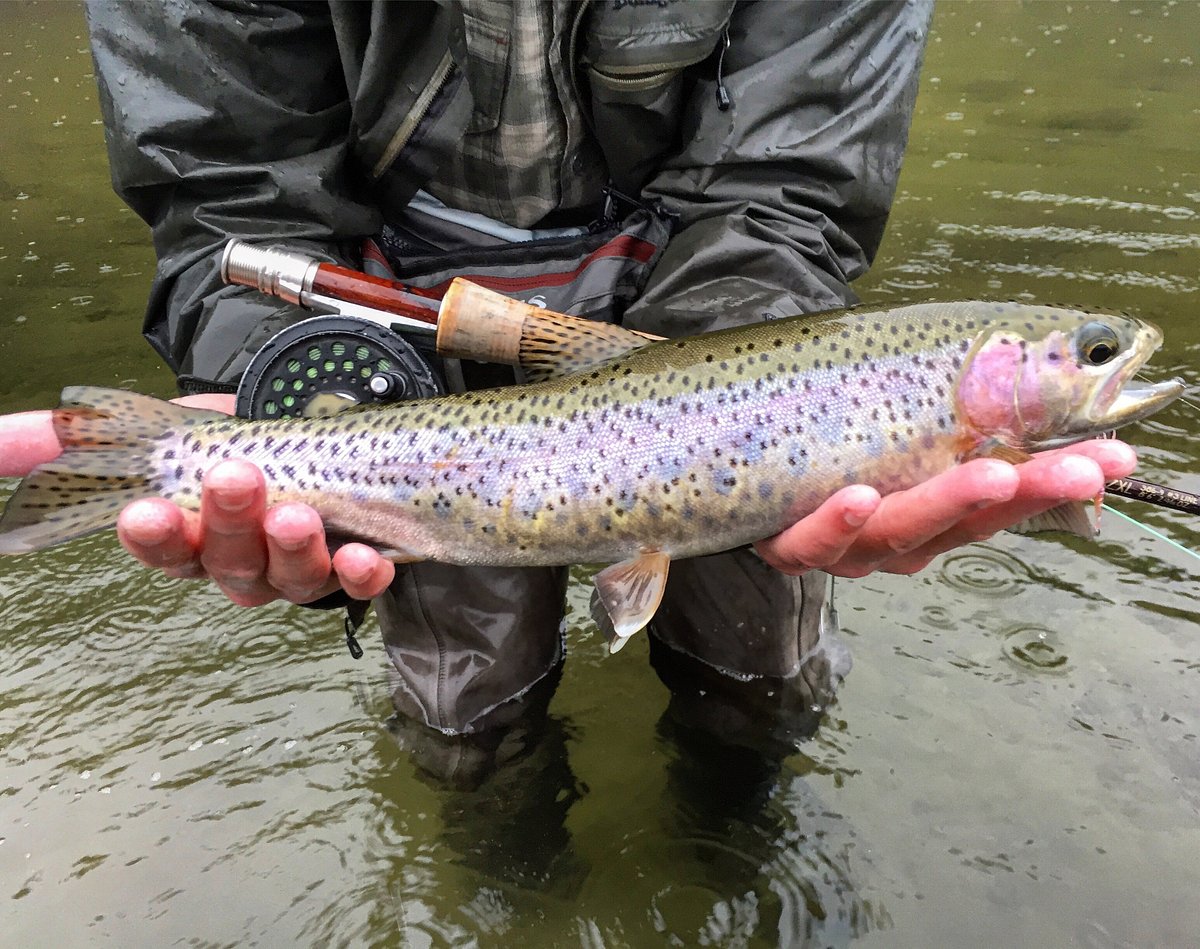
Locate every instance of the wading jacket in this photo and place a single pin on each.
(774, 130)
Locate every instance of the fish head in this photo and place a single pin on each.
(1046, 377)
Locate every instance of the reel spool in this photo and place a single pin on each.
(319, 366)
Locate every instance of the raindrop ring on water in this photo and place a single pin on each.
(985, 571)
(938, 617)
(1035, 648)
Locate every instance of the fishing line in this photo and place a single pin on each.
(1151, 531)
(1189, 403)
(1191, 390)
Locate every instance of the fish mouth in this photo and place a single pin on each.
(1122, 400)
(1135, 402)
(1131, 403)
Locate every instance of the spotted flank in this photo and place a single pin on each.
(631, 452)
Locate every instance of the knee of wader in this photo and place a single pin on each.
(736, 614)
(504, 734)
(470, 645)
(770, 714)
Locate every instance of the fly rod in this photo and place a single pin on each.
(468, 320)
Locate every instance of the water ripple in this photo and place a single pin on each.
(984, 571)
(1136, 243)
(1035, 648)
(1109, 204)
(1167, 283)
(128, 627)
(938, 617)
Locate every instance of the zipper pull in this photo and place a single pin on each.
(724, 100)
(356, 612)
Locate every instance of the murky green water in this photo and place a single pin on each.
(1014, 760)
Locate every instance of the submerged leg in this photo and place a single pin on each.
(747, 652)
(478, 654)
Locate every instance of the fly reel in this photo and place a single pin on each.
(319, 366)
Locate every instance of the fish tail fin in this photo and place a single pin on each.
(107, 437)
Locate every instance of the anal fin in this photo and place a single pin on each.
(627, 595)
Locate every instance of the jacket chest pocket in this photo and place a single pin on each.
(633, 51)
(487, 31)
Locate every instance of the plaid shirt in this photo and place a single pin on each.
(527, 151)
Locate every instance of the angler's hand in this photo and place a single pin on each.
(27, 440)
(254, 554)
(856, 532)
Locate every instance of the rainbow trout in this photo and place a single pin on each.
(673, 449)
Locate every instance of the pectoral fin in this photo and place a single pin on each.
(627, 594)
(1071, 517)
(996, 449)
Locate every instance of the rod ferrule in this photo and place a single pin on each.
(272, 270)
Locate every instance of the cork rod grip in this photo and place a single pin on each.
(477, 323)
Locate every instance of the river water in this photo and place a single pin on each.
(1013, 761)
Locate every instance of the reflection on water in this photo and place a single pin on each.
(1013, 760)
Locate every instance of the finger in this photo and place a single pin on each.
(1115, 458)
(27, 440)
(234, 551)
(823, 537)
(362, 572)
(161, 535)
(217, 401)
(297, 559)
(909, 519)
(1046, 483)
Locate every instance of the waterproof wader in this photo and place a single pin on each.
(471, 645)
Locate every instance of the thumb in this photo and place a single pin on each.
(27, 440)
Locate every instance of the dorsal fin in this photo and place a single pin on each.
(477, 323)
(553, 344)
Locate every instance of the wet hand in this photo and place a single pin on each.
(27, 440)
(856, 532)
(253, 553)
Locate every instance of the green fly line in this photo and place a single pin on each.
(1151, 531)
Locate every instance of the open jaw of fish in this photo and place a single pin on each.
(659, 450)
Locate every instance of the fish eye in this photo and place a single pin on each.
(1098, 344)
